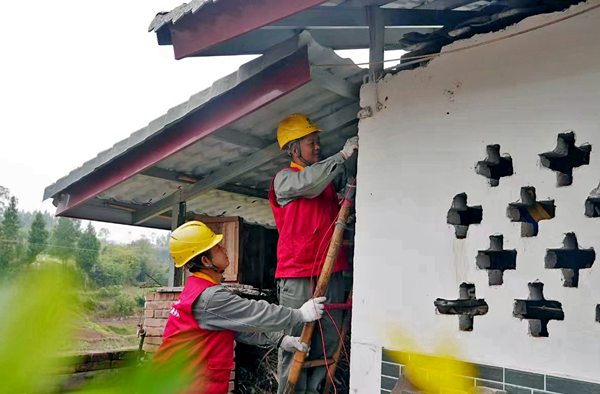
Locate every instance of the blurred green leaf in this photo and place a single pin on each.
(38, 313)
(146, 378)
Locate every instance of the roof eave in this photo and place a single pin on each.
(220, 21)
(272, 83)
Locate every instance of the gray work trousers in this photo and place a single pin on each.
(294, 292)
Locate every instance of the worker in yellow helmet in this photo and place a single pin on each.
(207, 318)
(305, 204)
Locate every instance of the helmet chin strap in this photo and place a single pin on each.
(306, 163)
(215, 268)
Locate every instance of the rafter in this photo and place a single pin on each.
(225, 174)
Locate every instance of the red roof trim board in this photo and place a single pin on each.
(270, 84)
(226, 19)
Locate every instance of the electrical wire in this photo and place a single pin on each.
(317, 260)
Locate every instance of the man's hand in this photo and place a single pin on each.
(349, 147)
(312, 309)
(291, 344)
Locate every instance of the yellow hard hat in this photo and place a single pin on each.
(191, 239)
(294, 126)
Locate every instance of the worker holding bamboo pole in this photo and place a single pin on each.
(305, 203)
(207, 318)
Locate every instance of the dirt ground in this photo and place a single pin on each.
(104, 334)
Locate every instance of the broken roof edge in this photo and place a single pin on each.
(176, 114)
(421, 55)
(166, 17)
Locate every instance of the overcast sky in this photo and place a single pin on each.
(76, 78)
(79, 76)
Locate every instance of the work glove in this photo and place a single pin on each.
(349, 147)
(291, 344)
(312, 309)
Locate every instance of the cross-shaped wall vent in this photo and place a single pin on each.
(565, 157)
(494, 166)
(530, 212)
(570, 259)
(538, 310)
(462, 216)
(466, 306)
(496, 260)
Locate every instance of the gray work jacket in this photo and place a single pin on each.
(256, 322)
(311, 181)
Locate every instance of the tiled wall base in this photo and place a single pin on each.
(510, 380)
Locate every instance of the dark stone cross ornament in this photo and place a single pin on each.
(462, 216)
(495, 166)
(529, 211)
(592, 204)
(466, 307)
(538, 310)
(496, 260)
(565, 157)
(570, 259)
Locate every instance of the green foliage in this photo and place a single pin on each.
(34, 325)
(38, 237)
(64, 238)
(121, 330)
(88, 249)
(10, 243)
(132, 264)
(147, 378)
(140, 300)
(123, 306)
(27, 218)
(112, 301)
(4, 198)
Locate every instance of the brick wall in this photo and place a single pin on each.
(156, 313)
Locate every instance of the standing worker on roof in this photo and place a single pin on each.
(305, 204)
(207, 318)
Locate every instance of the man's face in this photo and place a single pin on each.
(311, 147)
(219, 257)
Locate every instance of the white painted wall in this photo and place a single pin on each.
(420, 150)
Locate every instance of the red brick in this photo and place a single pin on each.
(150, 296)
(167, 296)
(165, 304)
(148, 313)
(154, 332)
(153, 341)
(152, 322)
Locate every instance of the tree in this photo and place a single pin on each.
(118, 265)
(4, 198)
(88, 249)
(64, 238)
(38, 236)
(9, 235)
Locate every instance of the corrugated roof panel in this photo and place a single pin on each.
(173, 115)
(221, 203)
(229, 147)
